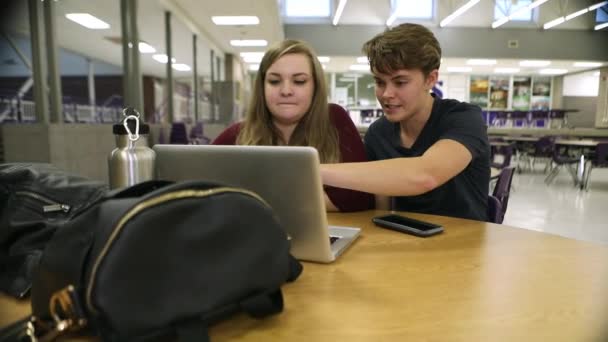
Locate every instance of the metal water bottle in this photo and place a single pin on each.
(132, 161)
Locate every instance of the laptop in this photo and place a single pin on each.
(287, 177)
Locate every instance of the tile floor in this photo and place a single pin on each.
(560, 208)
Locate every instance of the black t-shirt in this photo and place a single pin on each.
(465, 195)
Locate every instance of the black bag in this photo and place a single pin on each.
(35, 200)
(160, 260)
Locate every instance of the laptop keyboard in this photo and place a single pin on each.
(333, 239)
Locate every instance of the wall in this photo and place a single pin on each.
(580, 91)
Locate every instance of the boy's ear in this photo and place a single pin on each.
(432, 78)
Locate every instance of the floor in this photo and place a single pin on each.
(560, 208)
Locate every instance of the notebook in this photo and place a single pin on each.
(287, 177)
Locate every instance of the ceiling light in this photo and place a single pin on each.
(181, 67)
(324, 66)
(460, 69)
(458, 12)
(252, 57)
(600, 26)
(346, 79)
(338, 14)
(235, 20)
(323, 59)
(598, 5)
(534, 63)
(554, 22)
(481, 61)
(248, 42)
(596, 74)
(552, 71)
(146, 48)
(162, 58)
(587, 64)
(506, 70)
(254, 67)
(576, 14)
(362, 60)
(88, 21)
(391, 19)
(359, 67)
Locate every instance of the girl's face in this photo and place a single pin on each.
(289, 88)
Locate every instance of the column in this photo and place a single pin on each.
(38, 65)
(56, 99)
(169, 69)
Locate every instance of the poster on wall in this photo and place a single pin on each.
(522, 89)
(499, 92)
(478, 91)
(541, 93)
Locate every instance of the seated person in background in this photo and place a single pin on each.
(433, 155)
(289, 107)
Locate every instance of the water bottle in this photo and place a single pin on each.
(132, 161)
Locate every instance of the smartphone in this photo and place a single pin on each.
(407, 225)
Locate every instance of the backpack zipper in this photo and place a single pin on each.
(51, 205)
(152, 202)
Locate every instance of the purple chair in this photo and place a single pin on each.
(494, 210)
(600, 159)
(178, 134)
(506, 152)
(543, 148)
(197, 136)
(560, 160)
(501, 192)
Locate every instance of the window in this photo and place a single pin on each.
(307, 8)
(416, 9)
(503, 8)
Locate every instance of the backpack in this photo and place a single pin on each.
(161, 260)
(35, 200)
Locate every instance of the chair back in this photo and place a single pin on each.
(178, 134)
(197, 135)
(544, 147)
(502, 189)
(601, 155)
(507, 153)
(494, 210)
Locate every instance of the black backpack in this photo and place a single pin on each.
(161, 260)
(35, 200)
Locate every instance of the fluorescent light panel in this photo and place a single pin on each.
(362, 60)
(552, 71)
(162, 58)
(460, 69)
(248, 42)
(598, 5)
(534, 63)
(573, 15)
(600, 26)
(181, 67)
(338, 14)
(506, 70)
(458, 12)
(359, 67)
(576, 14)
(146, 48)
(554, 23)
(235, 20)
(587, 64)
(323, 59)
(254, 67)
(88, 21)
(481, 61)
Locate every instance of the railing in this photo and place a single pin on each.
(25, 112)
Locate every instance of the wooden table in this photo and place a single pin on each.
(475, 282)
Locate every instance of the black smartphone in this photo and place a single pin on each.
(407, 225)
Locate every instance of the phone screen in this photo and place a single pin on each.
(423, 226)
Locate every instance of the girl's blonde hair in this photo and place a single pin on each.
(314, 129)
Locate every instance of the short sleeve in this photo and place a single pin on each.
(465, 125)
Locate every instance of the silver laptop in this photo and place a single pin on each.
(286, 177)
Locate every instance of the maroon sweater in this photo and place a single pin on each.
(351, 150)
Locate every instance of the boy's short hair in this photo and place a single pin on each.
(407, 46)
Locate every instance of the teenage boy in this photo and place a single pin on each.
(432, 155)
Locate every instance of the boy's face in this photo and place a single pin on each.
(403, 93)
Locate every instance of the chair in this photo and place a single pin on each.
(600, 159)
(560, 160)
(178, 134)
(197, 136)
(543, 148)
(494, 210)
(506, 152)
(501, 192)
